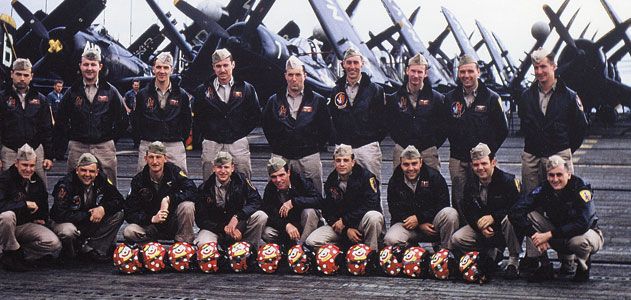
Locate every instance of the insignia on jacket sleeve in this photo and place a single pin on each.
(518, 185)
(586, 195)
(182, 173)
(62, 192)
(373, 184)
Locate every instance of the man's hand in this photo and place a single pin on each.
(338, 226)
(285, 208)
(543, 247)
(160, 217)
(485, 221)
(236, 235)
(164, 204)
(539, 238)
(47, 164)
(231, 227)
(410, 223)
(354, 235)
(32, 206)
(488, 232)
(292, 231)
(96, 214)
(428, 229)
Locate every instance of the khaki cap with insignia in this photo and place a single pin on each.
(480, 151)
(555, 161)
(539, 55)
(26, 152)
(343, 150)
(466, 59)
(350, 52)
(221, 54)
(165, 58)
(87, 159)
(22, 64)
(157, 147)
(274, 164)
(293, 63)
(417, 59)
(410, 152)
(222, 158)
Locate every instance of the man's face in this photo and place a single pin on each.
(280, 179)
(344, 165)
(544, 71)
(558, 177)
(295, 80)
(26, 168)
(416, 74)
(411, 168)
(223, 69)
(21, 78)
(90, 69)
(483, 168)
(162, 71)
(155, 162)
(223, 172)
(353, 67)
(135, 86)
(87, 174)
(468, 75)
(58, 87)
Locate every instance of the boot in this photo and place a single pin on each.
(583, 275)
(544, 272)
(13, 261)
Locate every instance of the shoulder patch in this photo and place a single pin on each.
(586, 195)
(518, 185)
(62, 193)
(373, 183)
(537, 190)
(182, 173)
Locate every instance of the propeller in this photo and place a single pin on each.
(171, 33)
(36, 26)
(201, 19)
(558, 44)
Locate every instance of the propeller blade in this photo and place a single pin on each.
(614, 18)
(585, 30)
(559, 27)
(618, 55)
(170, 31)
(414, 15)
(611, 38)
(558, 44)
(36, 26)
(350, 10)
(201, 19)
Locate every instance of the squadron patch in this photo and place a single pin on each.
(307, 109)
(282, 111)
(373, 184)
(78, 102)
(341, 100)
(457, 109)
(11, 102)
(102, 98)
(62, 193)
(182, 173)
(586, 195)
(403, 103)
(518, 185)
(209, 93)
(151, 103)
(480, 108)
(579, 103)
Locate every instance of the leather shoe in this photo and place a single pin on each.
(511, 272)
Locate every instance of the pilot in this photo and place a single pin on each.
(92, 115)
(416, 115)
(160, 204)
(352, 206)
(87, 211)
(474, 115)
(291, 203)
(489, 194)
(23, 212)
(162, 113)
(418, 200)
(297, 124)
(552, 120)
(357, 109)
(225, 110)
(60, 146)
(559, 214)
(228, 207)
(25, 118)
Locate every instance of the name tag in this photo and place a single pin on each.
(423, 102)
(174, 102)
(34, 102)
(102, 99)
(480, 108)
(307, 109)
(424, 183)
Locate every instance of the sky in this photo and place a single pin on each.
(511, 20)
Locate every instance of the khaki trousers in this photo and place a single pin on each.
(369, 157)
(178, 228)
(371, 228)
(458, 171)
(240, 151)
(35, 240)
(105, 152)
(94, 236)
(445, 223)
(252, 230)
(175, 154)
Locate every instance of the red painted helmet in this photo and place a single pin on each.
(357, 259)
(208, 257)
(414, 261)
(440, 264)
(180, 256)
(326, 259)
(126, 259)
(390, 260)
(469, 267)
(153, 254)
(298, 259)
(239, 253)
(268, 257)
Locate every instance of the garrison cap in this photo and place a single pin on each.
(86, 159)
(22, 64)
(26, 152)
(350, 52)
(222, 158)
(293, 63)
(165, 58)
(91, 52)
(410, 152)
(480, 151)
(417, 59)
(555, 161)
(540, 54)
(343, 150)
(466, 59)
(221, 54)
(274, 164)
(157, 147)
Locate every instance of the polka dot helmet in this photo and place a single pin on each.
(414, 262)
(439, 264)
(153, 254)
(126, 259)
(390, 260)
(299, 259)
(357, 258)
(208, 257)
(238, 254)
(268, 257)
(468, 267)
(326, 259)
(180, 256)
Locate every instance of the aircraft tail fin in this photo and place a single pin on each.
(7, 53)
